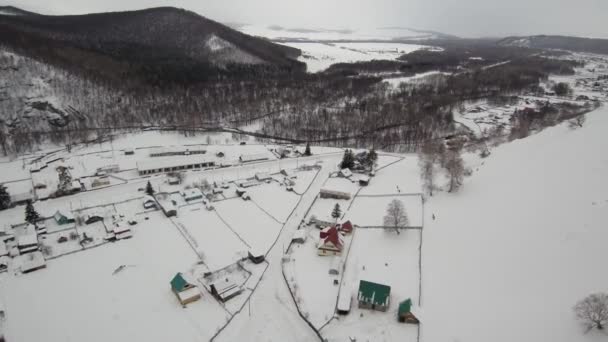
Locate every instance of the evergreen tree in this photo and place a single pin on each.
(307, 150)
(31, 215)
(5, 198)
(149, 189)
(337, 212)
(348, 161)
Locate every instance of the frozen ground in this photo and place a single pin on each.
(369, 211)
(528, 241)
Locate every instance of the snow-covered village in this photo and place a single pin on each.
(445, 191)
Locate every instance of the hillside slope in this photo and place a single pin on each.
(168, 42)
(507, 257)
(593, 45)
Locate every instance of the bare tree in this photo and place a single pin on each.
(592, 311)
(577, 122)
(455, 168)
(396, 217)
(430, 153)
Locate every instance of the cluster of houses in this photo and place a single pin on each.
(24, 248)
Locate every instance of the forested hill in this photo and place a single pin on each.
(593, 45)
(157, 45)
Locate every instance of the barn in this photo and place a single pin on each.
(373, 296)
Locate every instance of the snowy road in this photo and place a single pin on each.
(273, 314)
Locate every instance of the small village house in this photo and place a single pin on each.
(28, 243)
(185, 291)
(404, 314)
(32, 262)
(122, 231)
(373, 296)
(327, 193)
(262, 176)
(193, 194)
(172, 180)
(40, 227)
(22, 198)
(64, 217)
(332, 242)
(255, 256)
(92, 218)
(364, 180)
(149, 202)
(225, 289)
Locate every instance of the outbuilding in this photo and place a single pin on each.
(262, 176)
(327, 193)
(345, 300)
(92, 218)
(225, 290)
(193, 194)
(149, 202)
(346, 173)
(299, 236)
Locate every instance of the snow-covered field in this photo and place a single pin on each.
(361, 34)
(368, 211)
(522, 242)
(319, 56)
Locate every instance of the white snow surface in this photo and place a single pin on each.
(316, 34)
(521, 242)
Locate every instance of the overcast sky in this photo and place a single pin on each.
(468, 18)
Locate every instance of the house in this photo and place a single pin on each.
(299, 236)
(240, 191)
(225, 290)
(192, 194)
(331, 244)
(325, 232)
(288, 173)
(246, 196)
(102, 171)
(344, 301)
(364, 180)
(32, 262)
(373, 296)
(262, 176)
(327, 193)
(64, 217)
(129, 151)
(346, 227)
(336, 266)
(149, 202)
(346, 173)
(100, 181)
(22, 198)
(168, 208)
(92, 218)
(27, 243)
(173, 180)
(176, 151)
(404, 314)
(256, 257)
(121, 231)
(76, 186)
(4, 261)
(185, 291)
(248, 158)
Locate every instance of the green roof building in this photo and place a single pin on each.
(404, 314)
(179, 284)
(373, 296)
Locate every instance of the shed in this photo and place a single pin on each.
(122, 231)
(373, 296)
(225, 290)
(364, 180)
(129, 151)
(92, 218)
(192, 194)
(344, 301)
(65, 217)
(404, 314)
(299, 236)
(256, 257)
(149, 202)
(173, 180)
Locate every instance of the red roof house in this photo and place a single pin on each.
(332, 243)
(326, 231)
(346, 227)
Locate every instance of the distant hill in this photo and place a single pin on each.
(159, 45)
(593, 45)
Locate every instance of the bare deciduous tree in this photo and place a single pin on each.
(592, 311)
(396, 217)
(455, 168)
(577, 122)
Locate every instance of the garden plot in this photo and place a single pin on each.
(249, 222)
(274, 199)
(400, 177)
(135, 303)
(370, 211)
(387, 258)
(309, 278)
(212, 238)
(14, 170)
(95, 231)
(322, 208)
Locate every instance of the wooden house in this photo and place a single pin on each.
(185, 291)
(373, 296)
(404, 314)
